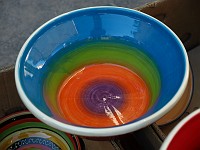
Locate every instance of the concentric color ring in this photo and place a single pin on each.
(103, 95)
(22, 130)
(87, 53)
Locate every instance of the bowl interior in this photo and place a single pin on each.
(103, 23)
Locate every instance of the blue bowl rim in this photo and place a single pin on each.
(110, 131)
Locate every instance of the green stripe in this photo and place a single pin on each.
(35, 125)
(102, 52)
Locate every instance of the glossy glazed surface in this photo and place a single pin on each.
(95, 70)
(155, 39)
(23, 131)
(185, 135)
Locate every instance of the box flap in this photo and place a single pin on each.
(10, 101)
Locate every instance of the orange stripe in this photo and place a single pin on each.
(136, 96)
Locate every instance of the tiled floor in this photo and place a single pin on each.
(19, 18)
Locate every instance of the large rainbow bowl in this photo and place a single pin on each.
(101, 71)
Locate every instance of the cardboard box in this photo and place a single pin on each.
(183, 18)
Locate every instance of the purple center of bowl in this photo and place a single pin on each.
(99, 96)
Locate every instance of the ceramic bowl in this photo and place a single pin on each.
(22, 130)
(123, 25)
(185, 135)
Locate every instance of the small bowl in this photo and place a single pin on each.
(185, 135)
(23, 130)
(161, 61)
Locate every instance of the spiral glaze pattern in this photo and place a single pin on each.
(103, 95)
(100, 84)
